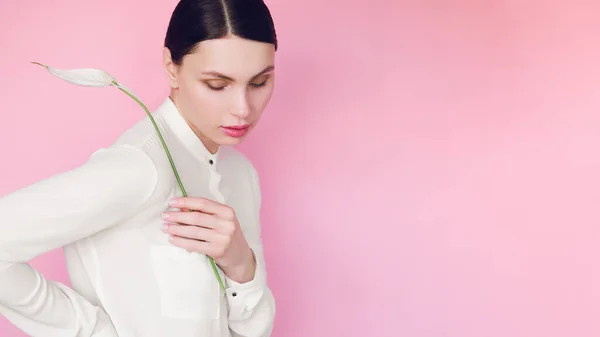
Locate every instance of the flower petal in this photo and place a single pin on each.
(87, 77)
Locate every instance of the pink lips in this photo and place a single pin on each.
(235, 130)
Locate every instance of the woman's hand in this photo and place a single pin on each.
(211, 229)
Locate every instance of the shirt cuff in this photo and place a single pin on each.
(244, 297)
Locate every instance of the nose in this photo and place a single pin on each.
(241, 108)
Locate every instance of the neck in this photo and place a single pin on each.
(211, 146)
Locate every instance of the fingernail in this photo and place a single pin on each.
(164, 227)
(173, 202)
(165, 215)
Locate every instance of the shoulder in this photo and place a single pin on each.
(131, 150)
(136, 157)
(123, 167)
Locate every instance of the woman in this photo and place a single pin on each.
(137, 258)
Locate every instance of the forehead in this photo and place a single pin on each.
(233, 56)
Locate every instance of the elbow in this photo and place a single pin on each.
(267, 314)
(271, 305)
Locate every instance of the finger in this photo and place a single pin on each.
(191, 218)
(192, 232)
(206, 248)
(203, 205)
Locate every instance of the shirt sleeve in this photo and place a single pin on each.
(252, 304)
(110, 187)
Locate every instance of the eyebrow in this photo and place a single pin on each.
(225, 77)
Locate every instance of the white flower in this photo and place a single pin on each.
(87, 77)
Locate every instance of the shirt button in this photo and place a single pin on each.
(234, 294)
(210, 161)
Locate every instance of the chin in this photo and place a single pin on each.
(228, 141)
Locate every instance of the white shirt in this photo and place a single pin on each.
(127, 280)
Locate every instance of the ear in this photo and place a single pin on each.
(170, 67)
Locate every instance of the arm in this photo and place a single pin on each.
(106, 190)
(251, 304)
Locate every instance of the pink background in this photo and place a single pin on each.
(429, 168)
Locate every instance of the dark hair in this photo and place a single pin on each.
(194, 21)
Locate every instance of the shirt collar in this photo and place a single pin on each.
(184, 132)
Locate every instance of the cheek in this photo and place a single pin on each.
(260, 99)
(206, 103)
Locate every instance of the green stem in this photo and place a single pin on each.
(212, 261)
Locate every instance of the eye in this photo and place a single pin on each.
(215, 88)
(216, 85)
(258, 85)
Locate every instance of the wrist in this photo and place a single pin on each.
(244, 271)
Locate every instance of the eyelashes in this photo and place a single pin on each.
(258, 85)
(214, 88)
(253, 85)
